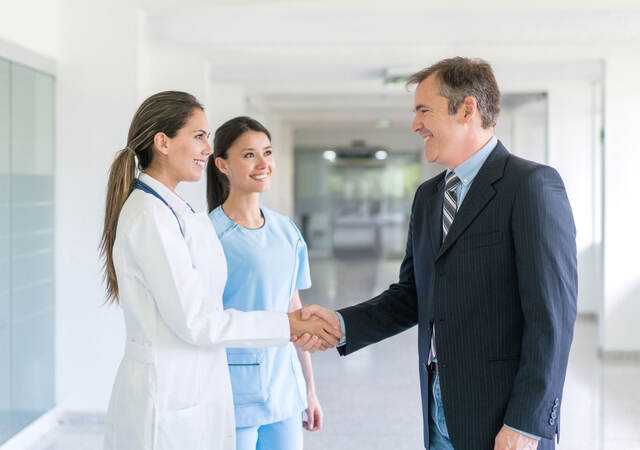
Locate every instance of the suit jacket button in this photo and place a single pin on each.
(555, 408)
(556, 401)
(554, 415)
(551, 421)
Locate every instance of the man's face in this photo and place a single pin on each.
(440, 130)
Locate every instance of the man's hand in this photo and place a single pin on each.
(316, 310)
(508, 439)
(313, 333)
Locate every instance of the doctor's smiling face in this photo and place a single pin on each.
(248, 163)
(185, 155)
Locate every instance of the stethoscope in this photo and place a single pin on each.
(144, 187)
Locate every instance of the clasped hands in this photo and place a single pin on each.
(314, 328)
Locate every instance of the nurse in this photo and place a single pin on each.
(268, 265)
(165, 267)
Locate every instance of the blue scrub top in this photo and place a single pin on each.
(265, 266)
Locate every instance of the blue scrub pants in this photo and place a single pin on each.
(284, 435)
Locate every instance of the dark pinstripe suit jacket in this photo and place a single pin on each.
(502, 289)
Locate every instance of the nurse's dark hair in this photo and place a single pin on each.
(165, 112)
(224, 137)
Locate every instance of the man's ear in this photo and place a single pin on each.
(468, 108)
(161, 143)
(221, 164)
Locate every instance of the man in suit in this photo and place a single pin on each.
(489, 276)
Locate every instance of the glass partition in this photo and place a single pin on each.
(26, 246)
(5, 275)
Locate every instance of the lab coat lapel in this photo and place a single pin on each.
(179, 205)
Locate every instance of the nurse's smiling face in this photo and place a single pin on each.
(185, 154)
(249, 163)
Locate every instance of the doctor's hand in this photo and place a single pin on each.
(312, 334)
(509, 439)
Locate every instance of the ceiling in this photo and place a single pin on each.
(323, 63)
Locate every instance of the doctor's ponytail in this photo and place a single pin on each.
(165, 112)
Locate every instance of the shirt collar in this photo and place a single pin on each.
(170, 197)
(468, 170)
(229, 223)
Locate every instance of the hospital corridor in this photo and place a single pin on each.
(166, 163)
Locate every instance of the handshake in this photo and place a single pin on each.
(314, 328)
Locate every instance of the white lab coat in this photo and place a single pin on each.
(172, 390)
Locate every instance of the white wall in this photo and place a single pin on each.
(621, 308)
(96, 76)
(32, 24)
(96, 98)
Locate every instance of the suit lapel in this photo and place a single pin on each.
(479, 194)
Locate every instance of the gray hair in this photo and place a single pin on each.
(463, 77)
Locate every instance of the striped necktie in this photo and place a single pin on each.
(449, 209)
(450, 205)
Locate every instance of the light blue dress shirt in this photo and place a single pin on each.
(265, 266)
(466, 172)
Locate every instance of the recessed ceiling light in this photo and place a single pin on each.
(381, 155)
(329, 155)
(382, 123)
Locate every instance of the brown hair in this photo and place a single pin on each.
(223, 139)
(463, 77)
(165, 112)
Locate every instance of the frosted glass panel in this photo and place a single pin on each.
(5, 221)
(26, 246)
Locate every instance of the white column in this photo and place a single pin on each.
(281, 196)
(224, 101)
(621, 307)
(96, 98)
(165, 67)
(573, 152)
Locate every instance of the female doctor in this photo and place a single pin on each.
(268, 264)
(166, 268)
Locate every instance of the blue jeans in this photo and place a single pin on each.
(438, 433)
(283, 435)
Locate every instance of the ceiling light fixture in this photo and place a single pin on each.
(329, 155)
(381, 155)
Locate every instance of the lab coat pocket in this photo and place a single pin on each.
(182, 428)
(247, 370)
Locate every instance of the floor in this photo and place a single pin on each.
(371, 399)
